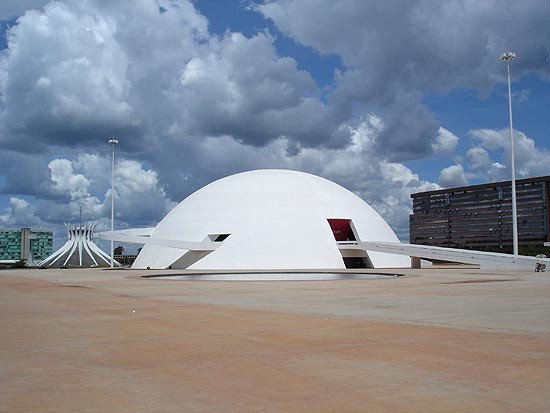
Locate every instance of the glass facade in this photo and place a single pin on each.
(42, 244)
(12, 243)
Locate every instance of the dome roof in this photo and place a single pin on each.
(268, 219)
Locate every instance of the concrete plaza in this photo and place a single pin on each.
(434, 340)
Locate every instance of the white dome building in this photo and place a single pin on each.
(263, 220)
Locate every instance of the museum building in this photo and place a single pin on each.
(262, 220)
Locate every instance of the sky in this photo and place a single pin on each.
(385, 98)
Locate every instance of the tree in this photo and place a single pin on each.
(119, 250)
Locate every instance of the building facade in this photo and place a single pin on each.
(269, 219)
(480, 216)
(18, 243)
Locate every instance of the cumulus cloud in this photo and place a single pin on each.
(65, 181)
(19, 213)
(243, 89)
(79, 71)
(434, 46)
(452, 176)
(483, 166)
(73, 190)
(77, 189)
(445, 142)
(394, 52)
(491, 138)
(490, 158)
(78, 81)
(140, 199)
(88, 69)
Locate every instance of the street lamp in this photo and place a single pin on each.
(508, 57)
(112, 142)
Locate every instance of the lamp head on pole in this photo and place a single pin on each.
(508, 56)
(113, 142)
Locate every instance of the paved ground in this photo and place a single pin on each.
(432, 341)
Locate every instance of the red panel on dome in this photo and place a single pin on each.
(340, 228)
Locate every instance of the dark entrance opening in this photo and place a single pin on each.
(218, 237)
(355, 262)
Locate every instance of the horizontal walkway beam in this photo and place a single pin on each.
(124, 236)
(486, 260)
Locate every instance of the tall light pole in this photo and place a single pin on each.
(508, 57)
(112, 142)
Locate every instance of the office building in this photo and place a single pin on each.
(480, 216)
(19, 243)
